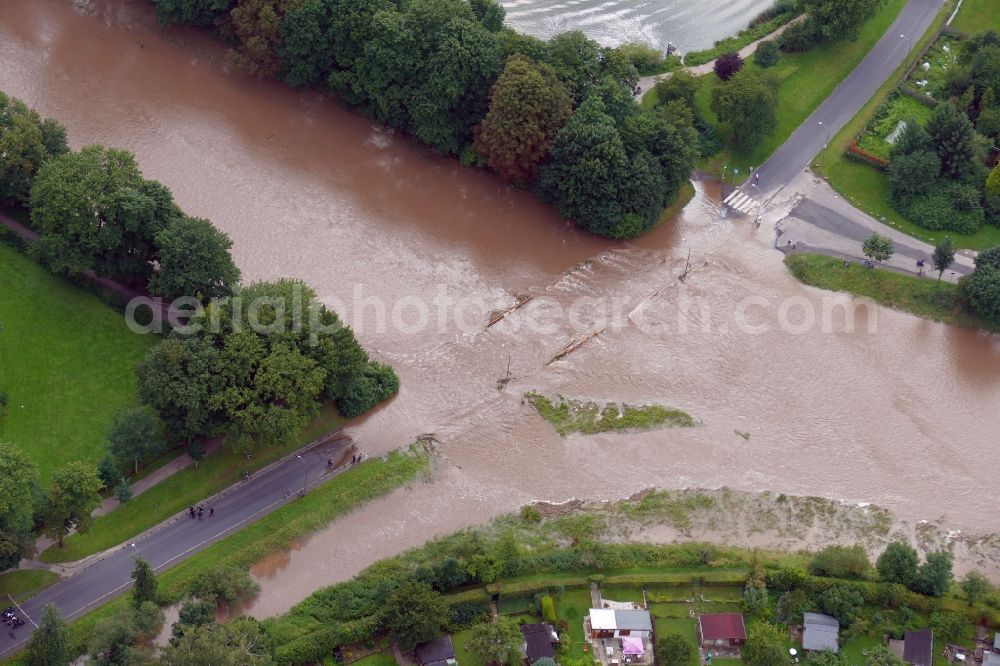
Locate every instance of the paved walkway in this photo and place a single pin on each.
(106, 576)
(646, 83)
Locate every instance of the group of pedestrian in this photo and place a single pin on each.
(199, 513)
(357, 458)
(793, 245)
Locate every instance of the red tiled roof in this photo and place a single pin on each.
(722, 626)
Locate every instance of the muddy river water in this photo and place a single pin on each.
(413, 250)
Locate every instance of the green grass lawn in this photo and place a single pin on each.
(976, 15)
(175, 493)
(25, 583)
(377, 659)
(924, 297)
(463, 655)
(806, 80)
(67, 362)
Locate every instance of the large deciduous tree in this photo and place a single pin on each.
(414, 613)
(19, 495)
(194, 261)
(257, 24)
(75, 492)
(841, 19)
(528, 106)
(93, 210)
(898, 563)
(748, 104)
(764, 646)
(199, 13)
(241, 642)
(135, 434)
(675, 649)
(934, 576)
(497, 642)
(26, 142)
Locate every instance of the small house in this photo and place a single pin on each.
(721, 630)
(438, 652)
(820, 632)
(918, 647)
(611, 623)
(539, 641)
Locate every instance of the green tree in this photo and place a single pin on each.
(878, 248)
(825, 658)
(94, 211)
(791, 606)
(26, 142)
(193, 613)
(75, 492)
(675, 649)
(257, 26)
(497, 642)
(992, 188)
(241, 642)
(841, 602)
(898, 563)
(144, 583)
(577, 60)
(135, 434)
(943, 256)
(934, 576)
(123, 491)
(841, 562)
(681, 85)
(882, 656)
(951, 626)
(840, 19)
(490, 13)
(19, 495)
(976, 587)
(767, 54)
(194, 261)
(912, 174)
(116, 640)
(47, 645)
(748, 104)
(414, 613)
(765, 646)
(981, 290)
(199, 13)
(954, 138)
(528, 106)
(224, 586)
(726, 65)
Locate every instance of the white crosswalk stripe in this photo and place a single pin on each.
(741, 202)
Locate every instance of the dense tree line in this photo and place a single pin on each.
(558, 115)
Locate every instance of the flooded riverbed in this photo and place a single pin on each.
(414, 249)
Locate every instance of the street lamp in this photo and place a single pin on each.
(827, 128)
(305, 478)
(909, 43)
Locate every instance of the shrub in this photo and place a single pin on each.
(767, 54)
(727, 65)
(935, 209)
(226, 586)
(530, 514)
(377, 383)
(799, 38)
(841, 602)
(464, 615)
(840, 562)
(549, 609)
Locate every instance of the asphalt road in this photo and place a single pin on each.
(178, 539)
(845, 102)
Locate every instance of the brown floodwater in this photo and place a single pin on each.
(901, 411)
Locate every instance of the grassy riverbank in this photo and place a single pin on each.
(62, 351)
(924, 297)
(175, 493)
(277, 531)
(868, 188)
(577, 416)
(806, 80)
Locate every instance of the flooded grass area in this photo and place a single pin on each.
(569, 416)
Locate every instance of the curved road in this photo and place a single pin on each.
(845, 102)
(180, 537)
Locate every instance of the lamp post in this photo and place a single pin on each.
(305, 478)
(909, 43)
(827, 128)
(760, 202)
(687, 265)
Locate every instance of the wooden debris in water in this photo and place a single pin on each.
(498, 316)
(573, 346)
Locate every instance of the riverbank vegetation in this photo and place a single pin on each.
(557, 116)
(578, 416)
(772, 18)
(924, 297)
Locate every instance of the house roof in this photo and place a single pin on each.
(437, 650)
(633, 620)
(538, 641)
(632, 645)
(918, 647)
(602, 619)
(722, 626)
(820, 632)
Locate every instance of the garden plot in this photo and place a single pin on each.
(888, 122)
(931, 73)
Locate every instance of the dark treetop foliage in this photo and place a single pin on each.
(748, 103)
(194, 261)
(727, 65)
(897, 563)
(26, 142)
(19, 495)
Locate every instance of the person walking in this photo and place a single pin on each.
(201, 512)
(211, 511)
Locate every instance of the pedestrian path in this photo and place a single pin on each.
(743, 203)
